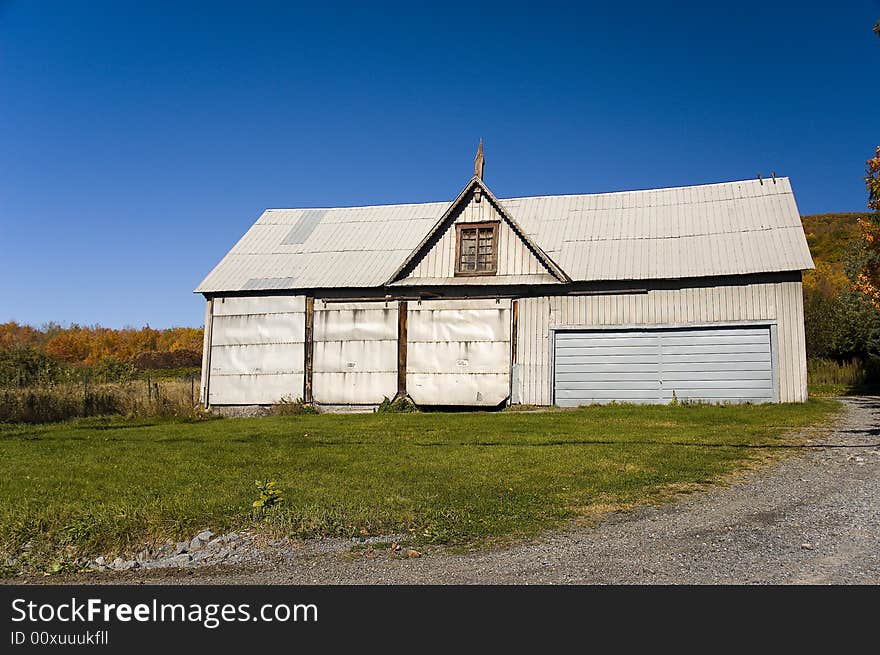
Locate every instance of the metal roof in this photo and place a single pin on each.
(729, 228)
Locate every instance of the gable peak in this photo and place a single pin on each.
(479, 161)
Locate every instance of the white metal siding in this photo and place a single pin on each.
(730, 364)
(514, 256)
(257, 350)
(781, 302)
(355, 352)
(458, 352)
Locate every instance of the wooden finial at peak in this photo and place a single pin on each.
(479, 162)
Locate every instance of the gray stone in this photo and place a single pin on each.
(195, 544)
(182, 547)
(204, 535)
(101, 561)
(178, 560)
(120, 564)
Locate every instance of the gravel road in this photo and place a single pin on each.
(813, 517)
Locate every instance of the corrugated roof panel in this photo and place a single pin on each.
(718, 229)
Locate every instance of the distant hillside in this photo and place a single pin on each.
(829, 236)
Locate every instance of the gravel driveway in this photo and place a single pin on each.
(812, 518)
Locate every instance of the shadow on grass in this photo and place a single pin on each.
(612, 442)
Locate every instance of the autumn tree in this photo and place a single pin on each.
(89, 345)
(14, 335)
(867, 273)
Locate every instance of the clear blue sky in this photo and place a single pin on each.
(139, 140)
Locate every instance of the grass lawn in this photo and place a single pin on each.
(97, 486)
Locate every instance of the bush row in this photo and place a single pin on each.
(27, 366)
(132, 399)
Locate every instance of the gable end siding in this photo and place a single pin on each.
(514, 256)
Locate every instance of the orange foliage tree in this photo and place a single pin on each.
(13, 335)
(90, 344)
(867, 277)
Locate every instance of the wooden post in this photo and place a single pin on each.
(401, 348)
(308, 353)
(514, 322)
(513, 330)
(192, 390)
(205, 377)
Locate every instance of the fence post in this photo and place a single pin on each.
(85, 397)
(192, 390)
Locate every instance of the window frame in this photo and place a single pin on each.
(478, 226)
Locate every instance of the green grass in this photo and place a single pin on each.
(98, 486)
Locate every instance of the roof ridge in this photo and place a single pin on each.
(387, 204)
(765, 182)
(667, 188)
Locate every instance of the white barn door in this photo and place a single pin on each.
(354, 352)
(458, 352)
(257, 351)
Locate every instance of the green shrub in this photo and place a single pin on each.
(173, 359)
(25, 366)
(400, 405)
(111, 369)
(289, 406)
(270, 495)
(49, 405)
(61, 402)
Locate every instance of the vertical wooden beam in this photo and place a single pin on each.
(308, 355)
(204, 391)
(401, 348)
(513, 330)
(514, 379)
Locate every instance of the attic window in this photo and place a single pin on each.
(476, 248)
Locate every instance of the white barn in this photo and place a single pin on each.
(691, 293)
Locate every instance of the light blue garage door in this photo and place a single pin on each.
(730, 364)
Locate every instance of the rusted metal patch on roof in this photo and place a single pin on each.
(304, 226)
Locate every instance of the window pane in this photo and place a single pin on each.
(485, 247)
(468, 249)
(476, 249)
